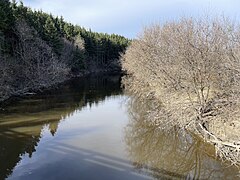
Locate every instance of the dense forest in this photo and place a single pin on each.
(39, 50)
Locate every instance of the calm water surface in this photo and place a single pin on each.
(86, 130)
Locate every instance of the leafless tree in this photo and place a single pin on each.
(192, 70)
(42, 67)
(32, 66)
(69, 47)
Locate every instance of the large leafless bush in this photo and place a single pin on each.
(192, 70)
(32, 66)
(42, 67)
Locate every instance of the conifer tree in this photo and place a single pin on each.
(6, 16)
(52, 35)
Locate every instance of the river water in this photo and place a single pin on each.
(87, 129)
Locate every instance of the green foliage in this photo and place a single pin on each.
(6, 17)
(39, 50)
(6, 24)
(78, 61)
(68, 30)
(52, 36)
(100, 48)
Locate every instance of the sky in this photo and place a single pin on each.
(128, 17)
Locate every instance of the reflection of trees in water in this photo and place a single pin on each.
(21, 123)
(170, 154)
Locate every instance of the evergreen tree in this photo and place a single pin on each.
(100, 48)
(52, 36)
(6, 27)
(6, 16)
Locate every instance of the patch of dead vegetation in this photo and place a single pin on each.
(191, 71)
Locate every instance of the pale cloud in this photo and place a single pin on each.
(127, 17)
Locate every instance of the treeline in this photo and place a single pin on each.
(38, 49)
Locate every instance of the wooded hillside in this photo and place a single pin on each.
(38, 49)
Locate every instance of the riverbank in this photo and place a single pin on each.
(223, 135)
(39, 50)
(88, 123)
(32, 91)
(189, 70)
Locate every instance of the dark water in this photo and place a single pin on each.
(86, 130)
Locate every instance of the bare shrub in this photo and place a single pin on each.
(192, 69)
(32, 66)
(69, 48)
(79, 43)
(38, 63)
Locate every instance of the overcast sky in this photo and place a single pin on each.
(127, 17)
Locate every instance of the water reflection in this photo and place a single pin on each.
(21, 123)
(170, 155)
(75, 132)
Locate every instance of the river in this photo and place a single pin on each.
(87, 129)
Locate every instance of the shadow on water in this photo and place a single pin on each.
(21, 123)
(173, 154)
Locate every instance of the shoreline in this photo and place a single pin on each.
(33, 91)
(223, 136)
